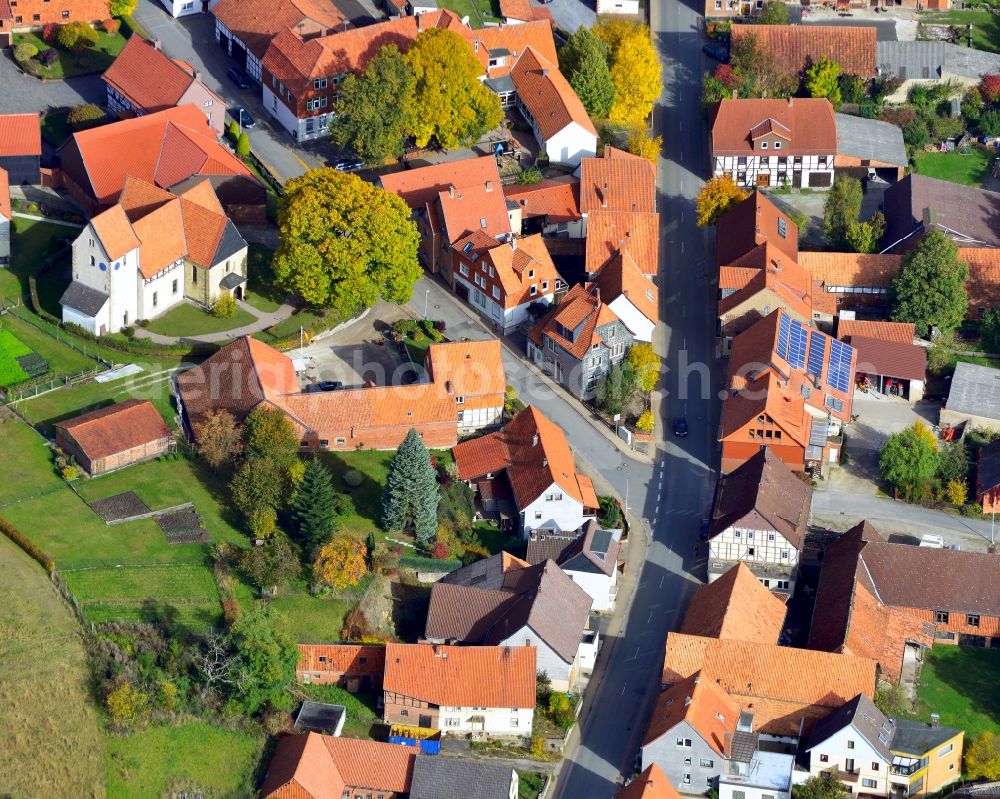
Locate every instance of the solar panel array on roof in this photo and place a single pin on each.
(797, 345)
(817, 349)
(839, 373)
(601, 543)
(783, 334)
(833, 403)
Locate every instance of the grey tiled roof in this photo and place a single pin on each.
(442, 777)
(84, 299)
(231, 280)
(975, 390)
(912, 60)
(867, 719)
(870, 139)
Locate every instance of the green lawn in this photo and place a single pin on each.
(69, 64)
(11, 348)
(312, 619)
(985, 26)
(190, 320)
(969, 169)
(495, 540)
(29, 247)
(418, 349)
(478, 11)
(362, 707)
(374, 467)
(62, 358)
(194, 757)
(261, 293)
(32, 471)
(960, 683)
(55, 128)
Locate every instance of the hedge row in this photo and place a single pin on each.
(429, 564)
(27, 545)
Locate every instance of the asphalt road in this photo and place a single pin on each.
(683, 479)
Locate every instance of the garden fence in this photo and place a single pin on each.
(53, 331)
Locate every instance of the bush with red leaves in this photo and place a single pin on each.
(990, 87)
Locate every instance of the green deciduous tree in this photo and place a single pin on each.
(257, 485)
(617, 390)
(841, 209)
(822, 80)
(989, 330)
(314, 509)
(375, 110)
(717, 196)
(891, 699)
(982, 757)
(635, 71)
(909, 461)
(410, 498)
(76, 36)
(268, 655)
(774, 12)
(345, 243)
(759, 70)
(219, 439)
(915, 133)
(268, 434)
(584, 62)
(455, 107)
(121, 8)
(822, 786)
(271, 566)
(865, 236)
(953, 463)
(930, 288)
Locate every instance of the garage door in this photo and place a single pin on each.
(820, 180)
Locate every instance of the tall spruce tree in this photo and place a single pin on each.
(314, 509)
(584, 62)
(410, 498)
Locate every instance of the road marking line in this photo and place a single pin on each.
(662, 578)
(623, 687)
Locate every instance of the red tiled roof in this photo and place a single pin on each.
(422, 185)
(983, 285)
(620, 277)
(20, 134)
(796, 47)
(256, 22)
(343, 658)
(547, 95)
(635, 232)
(162, 148)
(462, 676)
(148, 77)
(811, 122)
(117, 428)
(474, 207)
(618, 181)
(753, 222)
(900, 332)
(704, 705)
(515, 39)
(5, 206)
(557, 199)
(516, 9)
(649, 784)
(889, 358)
(735, 606)
(535, 453)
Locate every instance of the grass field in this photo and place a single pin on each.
(32, 471)
(968, 169)
(62, 358)
(51, 736)
(261, 293)
(374, 467)
(985, 26)
(196, 757)
(30, 245)
(362, 707)
(311, 619)
(11, 348)
(960, 683)
(479, 12)
(190, 320)
(69, 64)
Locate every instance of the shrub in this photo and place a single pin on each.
(428, 564)
(852, 88)
(645, 422)
(48, 57)
(990, 88)
(110, 26)
(225, 307)
(233, 132)
(85, 116)
(956, 492)
(915, 133)
(989, 123)
(973, 104)
(945, 127)
(76, 36)
(243, 145)
(27, 545)
(531, 175)
(24, 52)
(126, 703)
(50, 33)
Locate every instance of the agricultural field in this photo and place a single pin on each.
(17, 361)
(51, 736)
(61, 358)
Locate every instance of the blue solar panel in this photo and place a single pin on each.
(839, 374)
(817, 349)
(783, 323)
(797, 345)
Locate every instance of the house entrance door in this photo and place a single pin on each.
(425, 721)
(763, 178)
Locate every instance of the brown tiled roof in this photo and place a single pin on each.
(900, 332)
(768, 679)
(115, 232)
(486, 604)
(889, 358)
(851, 269)
(467, 368)
(557, 199)
(516, 9)
(649, 784)
(314, 766)
(147, 77)
(811, 122)
(636, 233)
(969, 213)
(737, 606)
(750, 223)
(515, 39)
(796, 47)
(617, 181)
(547, 95)
(117, 428)
(575, 551)
(698, 700)
(622, 277)
(256, 22)
(343, 658)
(536, 455)
(462, 676)
(763, 494)
(580, 304)
(162, 148)
(20, 134)
(422, 185)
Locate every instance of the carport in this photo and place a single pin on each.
(890, 368)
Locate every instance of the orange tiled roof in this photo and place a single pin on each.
(314, 766)
(796, 47)
(750, 223)
(621, 277)
(462, 676)
(516, 9)
(767, 396)
(5, 207)
(342, 658)
(536, 455)
(148, 77)
(201, 193)
(519, 269)
(557, 199)
(580, 304)
(649, 784)
(790, 284)
(547, 95)
(474, 207)
(851, 269)
(422, 185)
(609, 232)
(139, 197)
(768, 679)
(515, 39)
(736, 277)
(735, 606)
(161, 234)
(703, 704)
(256, 22)
(618, 181)
(117, 428)
(467, 368)
(370, 408)
(115, 232)
(811, 122)
(162, 148)
(899, 332)
(20, 134)
(983, 285)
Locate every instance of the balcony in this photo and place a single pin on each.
(843, 776)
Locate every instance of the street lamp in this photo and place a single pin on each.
(427, 293)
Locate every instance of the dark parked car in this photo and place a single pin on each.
(680, 426)
(348, 165)
(329, 385)
(238, 76)
(717, 52)
(242, 117)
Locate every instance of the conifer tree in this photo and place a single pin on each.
(410, 498)
(314, 508)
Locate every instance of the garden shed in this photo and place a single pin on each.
(115, 437)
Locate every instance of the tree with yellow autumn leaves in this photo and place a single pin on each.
(341, 563)
(635, 68)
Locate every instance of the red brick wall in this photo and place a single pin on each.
(396, 704)
(989, 626)
(436, 435)
(736, 453)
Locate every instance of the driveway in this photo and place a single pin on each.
(23, 94)
(571, 15)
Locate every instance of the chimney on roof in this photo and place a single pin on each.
(534, 440)
(157, 44)
(545, 73)
(451, 191)
(449, 387)
(545, 461)
(733, 95)
(489, 185)
(791, 101)
(513, 242)
(416, 18)
(687, 701)
(935, 719)
(197, 74)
